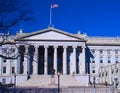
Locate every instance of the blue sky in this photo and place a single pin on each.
(93, 17)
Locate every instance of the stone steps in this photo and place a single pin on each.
(48, 81)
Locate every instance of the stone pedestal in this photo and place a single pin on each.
(52, 83)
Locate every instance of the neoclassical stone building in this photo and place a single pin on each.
(49, 51)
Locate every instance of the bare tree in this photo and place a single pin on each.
(12, 12)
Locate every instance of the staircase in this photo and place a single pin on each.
(49, 81)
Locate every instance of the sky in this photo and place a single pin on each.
(93, 17)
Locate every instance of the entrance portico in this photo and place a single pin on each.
(51, 51)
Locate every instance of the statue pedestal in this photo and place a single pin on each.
(52, 83)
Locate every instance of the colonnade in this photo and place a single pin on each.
(72, 58)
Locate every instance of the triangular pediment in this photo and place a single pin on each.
(50, 34)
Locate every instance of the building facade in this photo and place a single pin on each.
(51, 50)
(110, 75)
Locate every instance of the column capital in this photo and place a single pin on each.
(65, 46)
(36, 46)
(46, 46)
(74, 46)
(55, 46)
(26, 46)
(83, 47)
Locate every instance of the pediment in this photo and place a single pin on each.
(50, 34)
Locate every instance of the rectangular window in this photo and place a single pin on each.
(4, 50)
(108, 52)
(13, 70)
(109, 59)
(116, 59)
(93, 51)
(4, 69)
(3, 80)
(101, 59)
(116, 51)
(101, 51)
(93, 69)
(4, 60)
(12, 50)
(93, 60)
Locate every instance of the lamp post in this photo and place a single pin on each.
(14, 82)
(94, 81)
(94, 90)
(58, 82)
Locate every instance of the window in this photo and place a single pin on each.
(116, 59)
(101, 59)
(101, 51)
(106, 73)
(13, 70)
(4, 50)
(93, 51)
(108, 52)
(3, 80)
(12, 50)
(109, 59)
(93, 60)
(4, 69)
(4, 60)
(116, 51)
(116, 70)
(93, 69)
(112, 71)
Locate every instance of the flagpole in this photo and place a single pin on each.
(51, 15)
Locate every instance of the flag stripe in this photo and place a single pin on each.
(54, 6)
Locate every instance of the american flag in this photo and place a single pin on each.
(54, 6)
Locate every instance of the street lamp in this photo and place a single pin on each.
(58, 82)
(14, 82)
(94, 90)
(94, 81)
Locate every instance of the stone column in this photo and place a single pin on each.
(73, 61)
(35, 60)
(17, 67)
(79, 60)
(46, 60)
(64, 60)
(1, 62)
(82, 67)
(26, 60)
(55, 59)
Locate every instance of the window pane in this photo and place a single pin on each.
(116, 59)
(101, 59)
(108, 51)
(4, 69)
(116, 51)
(101, 51)
(13, 69)
(109, 59)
